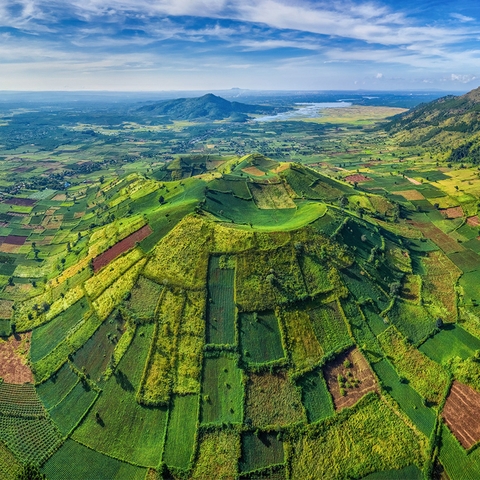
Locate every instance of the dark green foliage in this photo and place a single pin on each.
(77, 462)
(408, 399)
(31, 472)
(260, 337)
(222, 391)
(315, 396)
(181, 431)
(221, 306)
(46, 337)
(260, 450)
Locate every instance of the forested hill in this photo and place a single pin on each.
(451, 122)
(207, 107)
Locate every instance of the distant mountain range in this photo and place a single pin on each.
(208, 107)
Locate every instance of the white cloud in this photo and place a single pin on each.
(462, 18)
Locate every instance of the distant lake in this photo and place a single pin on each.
(306, 110)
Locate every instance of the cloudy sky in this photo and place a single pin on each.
(150, 45)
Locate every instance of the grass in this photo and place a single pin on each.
(181, 431)
(360, 329)
(57, 386)
(144, 299)
(159, 374)
(266, 279)
(46, 337)
(77, 462)
(190, 342)
(412, 320)
(451, 341)
(93, 358)
(315, 396)
(412, 472)
(329, 326)
(10, 467)
(73, 407)
(125, 429)
(303, 346)
(272, 400)
(181, 259)
(390, 444)
(408, 399)
(260, 450)
(218, 455)
(457, 464)
(221, 313)
(427, 377)
(222, 391)
(260, 337)
(116, 292)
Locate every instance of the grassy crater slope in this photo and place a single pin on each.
(214, 335)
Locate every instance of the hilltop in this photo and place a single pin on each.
(207, 107)
(450, 122)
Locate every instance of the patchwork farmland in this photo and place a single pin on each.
(230, 315)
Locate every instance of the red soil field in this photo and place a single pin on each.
(358, 370)
(358, 177)
(23, 202)
(13, 367)
(15, 240)
(122, 246)
(461, 414)
(473, 221)
(452, 212)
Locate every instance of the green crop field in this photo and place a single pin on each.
(457, 464)
(452, 341)
(144, 299)
(260, 450)
(412, 472)
(222, 391)
(260, 337)
(47, 337)
(315, 396)
(93, 358)
(57, 386)
(181, 431)
(408, 399)
(73, 407)
(221, 313)
(329, 327)
(124, 429)
(77, 462)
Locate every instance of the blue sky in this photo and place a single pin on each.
(151, 45)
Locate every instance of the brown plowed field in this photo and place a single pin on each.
(122, 246)
(473, 221)
(13, 359)
(358, 177)
(410, 194)
(452, 212)
(359, 372)
(22, 202)
(461, 414)
(445, 242)
(253, 171)
(15, 240)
